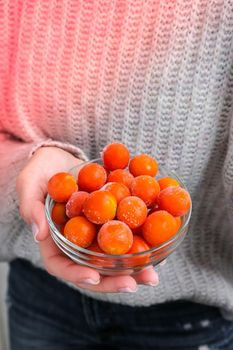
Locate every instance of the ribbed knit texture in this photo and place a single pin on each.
(156, 75)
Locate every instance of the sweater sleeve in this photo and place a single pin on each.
(16, 239)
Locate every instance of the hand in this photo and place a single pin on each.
(32, 189)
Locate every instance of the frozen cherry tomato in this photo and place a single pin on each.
(100, 207)
(116, 156)
(138, 246)
(133, 211)
(61, 186)
(146, 188)
(115, 237)
(91, 177)
(165, 182)
(143, 165)
(175, 200)
(59, 214)
(122, 176)
(80, 231)
(118, 190)
(159, 228)
(74, 206)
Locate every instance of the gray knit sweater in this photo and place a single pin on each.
(156, 75)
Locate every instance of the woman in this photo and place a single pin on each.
(157, 76)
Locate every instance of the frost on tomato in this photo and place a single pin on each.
(176, 200)
(74, 206)
(115, 237)
(100, 207)
(132, 211)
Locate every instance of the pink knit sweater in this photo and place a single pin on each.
(156, 75)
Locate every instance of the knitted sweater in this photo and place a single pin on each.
(155, 75)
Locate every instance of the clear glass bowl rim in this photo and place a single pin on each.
(114, 256)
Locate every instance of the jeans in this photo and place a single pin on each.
(45, 314)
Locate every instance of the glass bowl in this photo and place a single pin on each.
(108, 264)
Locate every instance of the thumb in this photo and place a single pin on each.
(40, 228)
(31, 204)
(31, 186)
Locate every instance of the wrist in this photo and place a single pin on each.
(59, 155)
(67, 147)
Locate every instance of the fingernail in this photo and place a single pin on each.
(90, 281)
(127, 290)
(147, 268)
(35, 232)
(152, 284)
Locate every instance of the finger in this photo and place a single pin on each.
(116, 284)
(147, 276)
(40, 225)
(62, 267)
(163, 262)
(29, 194)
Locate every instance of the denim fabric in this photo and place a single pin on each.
(45, 314)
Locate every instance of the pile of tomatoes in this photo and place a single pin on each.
(118, 207)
